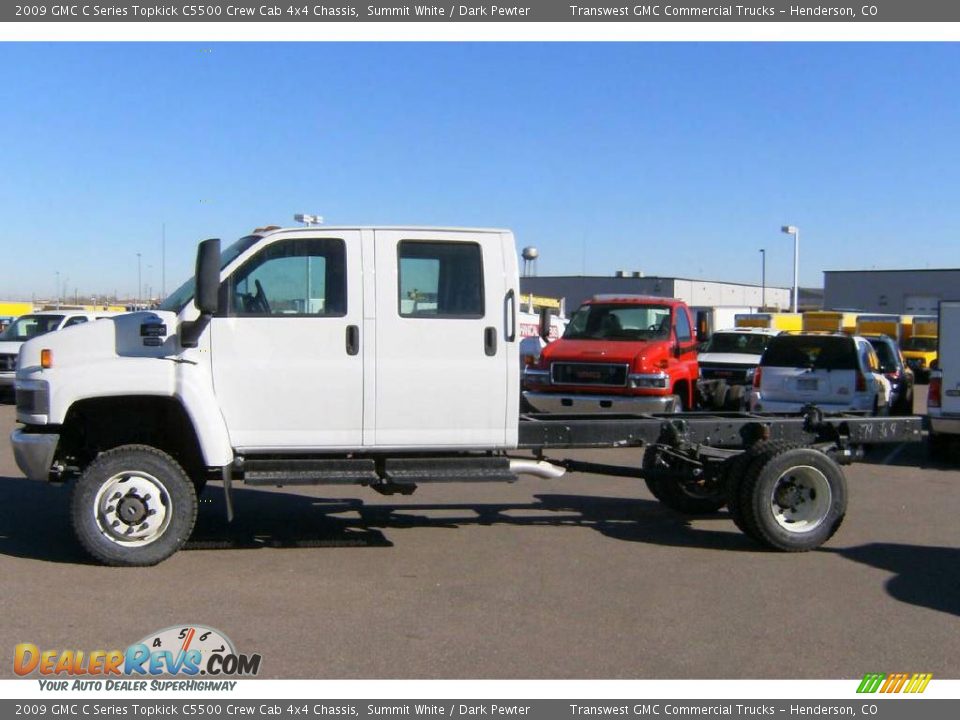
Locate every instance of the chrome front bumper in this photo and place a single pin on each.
(571, 403)
(34, 453)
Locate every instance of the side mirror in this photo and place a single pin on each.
(206, 280)
(207, 277)
(703, 326)
(544, 324)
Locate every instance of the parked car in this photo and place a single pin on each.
(895, 369)
(836, 372)
(27, 327)
(727, 363)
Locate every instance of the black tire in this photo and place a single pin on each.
(736, 470)
(677, 495)
(799, 476)
(136, 471)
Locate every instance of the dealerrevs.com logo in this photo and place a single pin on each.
(179, 650)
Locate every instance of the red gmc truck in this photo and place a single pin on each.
(621, 353)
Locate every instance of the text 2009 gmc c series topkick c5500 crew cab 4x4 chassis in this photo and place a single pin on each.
(385, 357)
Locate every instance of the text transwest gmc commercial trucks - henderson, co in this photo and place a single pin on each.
(384, 357)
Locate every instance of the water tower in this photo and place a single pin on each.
(530, 255)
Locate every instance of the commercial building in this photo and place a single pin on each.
(696, 293)
(907, 292)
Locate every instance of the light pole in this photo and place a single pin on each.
(58, 289)
(795, 231)
(763, 278)
(139, 284)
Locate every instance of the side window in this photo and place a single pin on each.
(290, 278)
(683, 326)
(75, 321)
(440, 279)
(868, 358)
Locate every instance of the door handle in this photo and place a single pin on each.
(490, 341)
(353, 339)
(510, 316)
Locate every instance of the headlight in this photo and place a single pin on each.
(538, 377)
(657, 381)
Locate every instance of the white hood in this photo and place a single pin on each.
(745, 359)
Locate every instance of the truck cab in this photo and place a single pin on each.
(620, 353)
(316, 341)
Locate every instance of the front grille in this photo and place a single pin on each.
(8, 363)
(605, 374)
(734, 374)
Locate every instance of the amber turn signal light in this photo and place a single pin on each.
(46, 358)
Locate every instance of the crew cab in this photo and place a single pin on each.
(620, 353)
(385, 357)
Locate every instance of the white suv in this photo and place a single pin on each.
(837, 373)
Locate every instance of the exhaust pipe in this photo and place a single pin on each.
(540, 468)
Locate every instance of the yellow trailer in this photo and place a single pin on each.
(772, 321)
(830, 321)
(889, 325)
(15, 309)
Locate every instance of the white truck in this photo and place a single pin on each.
(943, 394)
(384, 357)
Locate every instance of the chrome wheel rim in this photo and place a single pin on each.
(801, 499)
(132, 509)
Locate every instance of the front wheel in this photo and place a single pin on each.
(133, 505)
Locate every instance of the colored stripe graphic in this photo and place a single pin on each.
(894, 682)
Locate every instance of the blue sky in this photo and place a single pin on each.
(675, 159)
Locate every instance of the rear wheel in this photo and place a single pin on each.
(793, 499)
(677, 489)
(133, 505)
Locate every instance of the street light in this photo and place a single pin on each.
(58, 288)
(763, 278)
(795, 231)
(139, 285)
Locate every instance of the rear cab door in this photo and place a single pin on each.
(447, 358)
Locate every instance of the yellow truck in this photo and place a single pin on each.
(770, 321)
(830, 321)
(920, 348)
(9, 311)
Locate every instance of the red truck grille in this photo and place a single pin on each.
(605, 374)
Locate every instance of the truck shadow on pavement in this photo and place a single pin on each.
(34, 521)
(925, 576)
(271, 519)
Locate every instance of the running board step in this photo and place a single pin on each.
(309, 472)
(407, 471)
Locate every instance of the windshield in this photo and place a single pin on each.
(922, 344)
(179, 298)
(886, 354)
(619, 322)
(30, 326)
(817, 352)
(742, 343)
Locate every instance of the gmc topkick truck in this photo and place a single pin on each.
(384, 357)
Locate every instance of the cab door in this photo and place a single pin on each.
(287, 358)
(446, 350)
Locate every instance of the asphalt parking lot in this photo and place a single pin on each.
(583, 577)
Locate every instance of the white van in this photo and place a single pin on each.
(27, 327)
